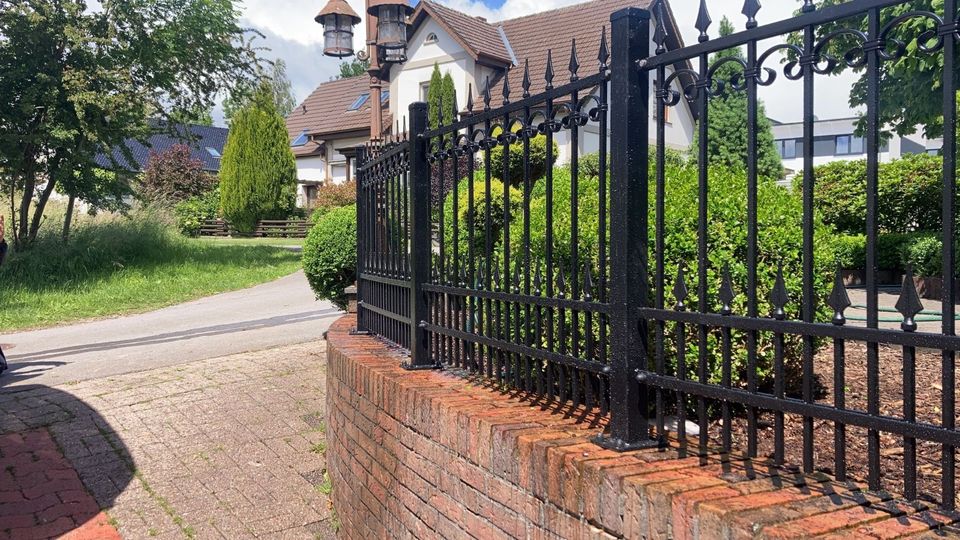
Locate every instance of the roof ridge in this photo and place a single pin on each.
(549, 11)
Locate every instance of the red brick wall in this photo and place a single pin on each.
(429, 455)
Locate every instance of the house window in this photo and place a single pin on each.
(213, 152)
(384, 96)
(431, 38)
(310, 193)
(424, 91)
(357, 103)
(301, 140)
(848, 144)
(787, 148)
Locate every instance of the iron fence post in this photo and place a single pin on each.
(420, 237)
(629, 238)
(361, 248)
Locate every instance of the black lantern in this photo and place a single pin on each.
(391, 26)
(338, 20)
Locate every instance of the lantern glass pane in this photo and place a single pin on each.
(338, 36)
(391, 30)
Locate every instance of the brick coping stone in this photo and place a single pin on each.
(429, 454)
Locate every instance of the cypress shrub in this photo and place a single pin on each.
(258, 173)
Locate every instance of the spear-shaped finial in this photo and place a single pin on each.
(726, 292)
(660, 28)
(779, 296)
(486, 94)
(453, 107)
(604, 55)
(470, 98)
(548, 76)
(526, 79)
(680, 291)
(506, 89)
(703, 22)
(587, 283)
(750, 9)
(909, 304)
(574, 62)
(839, 300)
(808, 6)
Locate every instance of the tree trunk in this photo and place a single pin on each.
(68, 219)
(38, 211)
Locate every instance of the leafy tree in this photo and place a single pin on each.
(75, 82)
(911, 85)
(174, 175)
(258, 173)
(280, 86)
(353, 68)
(727, 120)
(200, 117)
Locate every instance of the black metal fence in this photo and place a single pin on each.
(561, 286)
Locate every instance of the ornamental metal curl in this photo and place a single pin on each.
(923, 39)
(737, 81)
(690, 90)
(853, 57)
(792, 71)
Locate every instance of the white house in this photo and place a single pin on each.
(325, 128)
(836, 140)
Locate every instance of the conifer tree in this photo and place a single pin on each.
(434, 97)
(727, 120)
(258, 173)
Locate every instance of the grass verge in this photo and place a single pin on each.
(123, 265)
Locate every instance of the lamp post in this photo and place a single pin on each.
(386, 43)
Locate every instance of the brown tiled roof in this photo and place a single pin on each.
(532, 36)
(325, 112)
(479, 38)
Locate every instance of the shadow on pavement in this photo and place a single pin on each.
(60, 463)
(169, 337)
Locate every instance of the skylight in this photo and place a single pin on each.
(301, 140)
(213, 152)
(361, 99)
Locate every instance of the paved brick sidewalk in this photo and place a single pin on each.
(230, 447)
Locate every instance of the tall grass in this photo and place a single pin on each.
(117, 264)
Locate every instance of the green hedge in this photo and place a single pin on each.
(909, 193)
(330, 255)
(780, 241)
(478, 216)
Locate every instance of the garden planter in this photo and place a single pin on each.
(931, 287)
(853, 277)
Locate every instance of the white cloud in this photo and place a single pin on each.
(293, 19)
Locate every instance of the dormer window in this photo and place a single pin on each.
(431, 38)
(213, 152)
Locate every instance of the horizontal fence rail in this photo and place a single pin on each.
(534, 245)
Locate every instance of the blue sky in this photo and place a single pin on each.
(292, 34)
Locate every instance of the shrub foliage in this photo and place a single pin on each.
(173, 175)
(330, 255)
(191, 213)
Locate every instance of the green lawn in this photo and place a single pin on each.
(124, 267)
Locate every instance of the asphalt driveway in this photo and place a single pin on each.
(280, 313)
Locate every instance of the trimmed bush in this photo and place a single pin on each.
(924, 254)
(909, 194)
(537, 161)
(173, 176)
(849, 251)
(191, 213)
(330, 255)
(479, 214)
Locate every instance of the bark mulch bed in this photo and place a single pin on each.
(928, 398)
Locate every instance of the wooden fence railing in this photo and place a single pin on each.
(267, 228)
